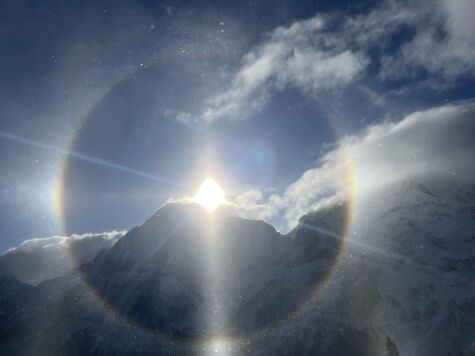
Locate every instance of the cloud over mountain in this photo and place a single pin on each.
(39, 259)
(430, 144)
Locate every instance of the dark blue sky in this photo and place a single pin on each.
(127, 82)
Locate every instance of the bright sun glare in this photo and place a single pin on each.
(210, 195)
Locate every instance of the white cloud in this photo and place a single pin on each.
(39, 259)
(184, 117)
(321, 53)
(251, 205)
(443, 44)
(299, 55)
(435, 144)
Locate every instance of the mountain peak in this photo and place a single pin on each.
(186, 230)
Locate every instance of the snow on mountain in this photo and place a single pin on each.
(406, 272)
(402, 277)
(37, 260)
(425, 235)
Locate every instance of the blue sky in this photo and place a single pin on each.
(257, 92)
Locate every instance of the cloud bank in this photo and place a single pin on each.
(40, 259)
(435, 144)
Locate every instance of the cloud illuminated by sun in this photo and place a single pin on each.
(210, 195)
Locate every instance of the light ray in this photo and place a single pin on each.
(373, 250)
(87, 158)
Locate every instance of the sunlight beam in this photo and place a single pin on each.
(86, 158)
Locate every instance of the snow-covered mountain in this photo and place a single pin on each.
(400, 276)
(406, 271)
(37, 260)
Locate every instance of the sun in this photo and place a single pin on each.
(210, 195)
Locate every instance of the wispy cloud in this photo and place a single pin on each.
(432, 144)
(422, 41)
(300, 55)
(442, 44)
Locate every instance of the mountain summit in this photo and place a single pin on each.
(193, 262)
(185, 282)
(183, 277)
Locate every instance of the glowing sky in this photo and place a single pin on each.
(114, 108)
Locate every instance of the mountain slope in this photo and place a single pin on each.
(402, 276)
